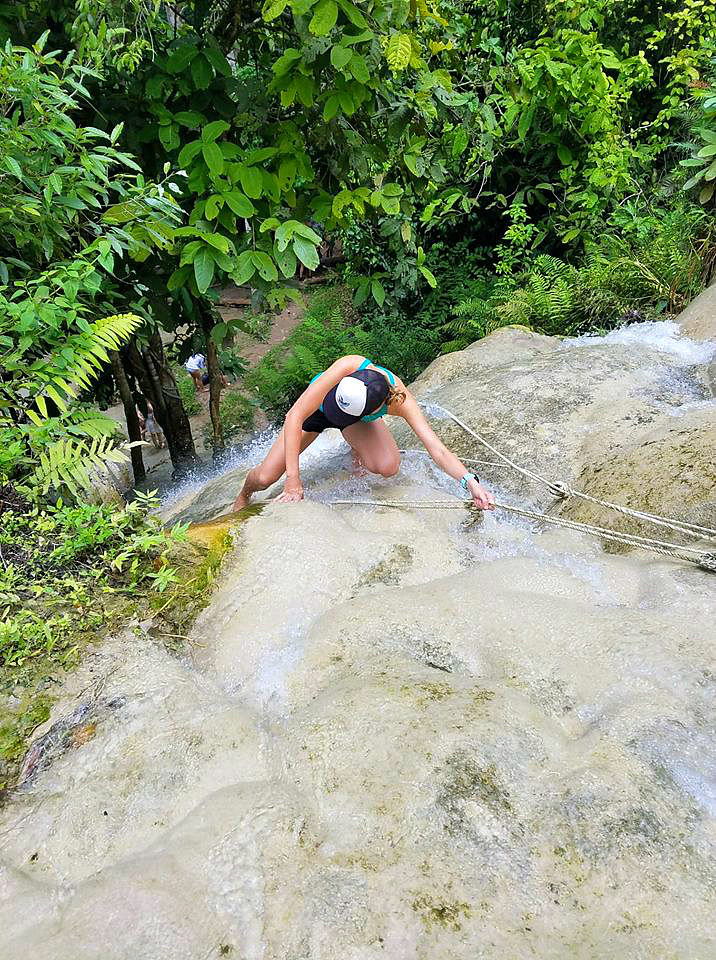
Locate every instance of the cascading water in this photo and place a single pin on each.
(403, 734)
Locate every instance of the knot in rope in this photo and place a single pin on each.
(559, 489)
(708, 562)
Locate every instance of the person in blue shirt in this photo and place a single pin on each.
(353, 396)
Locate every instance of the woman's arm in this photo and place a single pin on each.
(310, 400)
(444, 458)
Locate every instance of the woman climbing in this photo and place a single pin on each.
(353, 395)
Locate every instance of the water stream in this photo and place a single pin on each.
(396, 734)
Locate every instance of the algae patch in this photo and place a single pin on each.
(435, 912)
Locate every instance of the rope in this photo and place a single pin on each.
(706, 561)
(562, 490)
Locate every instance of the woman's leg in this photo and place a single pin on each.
(374, 446)
(271, 468)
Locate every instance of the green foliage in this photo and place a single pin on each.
(701, 165)
(61, 199)
(634, 274)
(325, 334)
(59, 564)
(15, 728)
(187, 392)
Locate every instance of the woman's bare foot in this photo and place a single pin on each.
(241, 501)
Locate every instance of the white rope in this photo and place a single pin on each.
(673, 550)
(562, 490)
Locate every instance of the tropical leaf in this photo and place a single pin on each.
(398, 51)
(70, 464)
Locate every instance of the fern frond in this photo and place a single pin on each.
(69, 463)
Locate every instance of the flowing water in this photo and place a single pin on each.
(395, 734)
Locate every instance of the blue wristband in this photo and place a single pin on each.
(464, 480)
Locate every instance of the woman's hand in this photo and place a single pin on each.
(292, 491)
(482, 498)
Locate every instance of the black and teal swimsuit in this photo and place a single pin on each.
(317, 422)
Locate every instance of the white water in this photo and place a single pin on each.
(397, 734)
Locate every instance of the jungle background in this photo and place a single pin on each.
(448, 168)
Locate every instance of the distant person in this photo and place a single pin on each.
(353, 396)
(152, 429)
(196, 365)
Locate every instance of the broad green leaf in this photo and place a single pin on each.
(340, 57)
(306, 252)
(707, 192)
(201, 72)
(180, 59)
(203, 269)
(240, 204)
(697, 178)
(213, 130)
(361, 294)
(212, 206)
(304, 88)
(284, 233)
(218, 61)
(406, 232)
(218, 241)
(251, 181)
(245, 268)
(286, 61)
(263, 153)
(286, 260)
(214, 158)
(353, 14)
(708, 151)
(288, 94)
(273, 8)
(564, 154)
(429, 276)
(331, 108)
(303, 230)
(187, 153)
(524, 125)
(324, 18)
(218, 333)
(397, 51)
(13, 166)
(346, 102)
(265, 266)
(359, 68)
(190, 118)
(362, 37)
(178, 279)
(287, 173)
(459, 143)
(270, 223)
(378, 291)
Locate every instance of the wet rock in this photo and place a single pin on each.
(396, 735)
(669, 470)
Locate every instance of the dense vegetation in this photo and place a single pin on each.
(482, 162)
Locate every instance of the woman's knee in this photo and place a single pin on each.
(388, 466)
